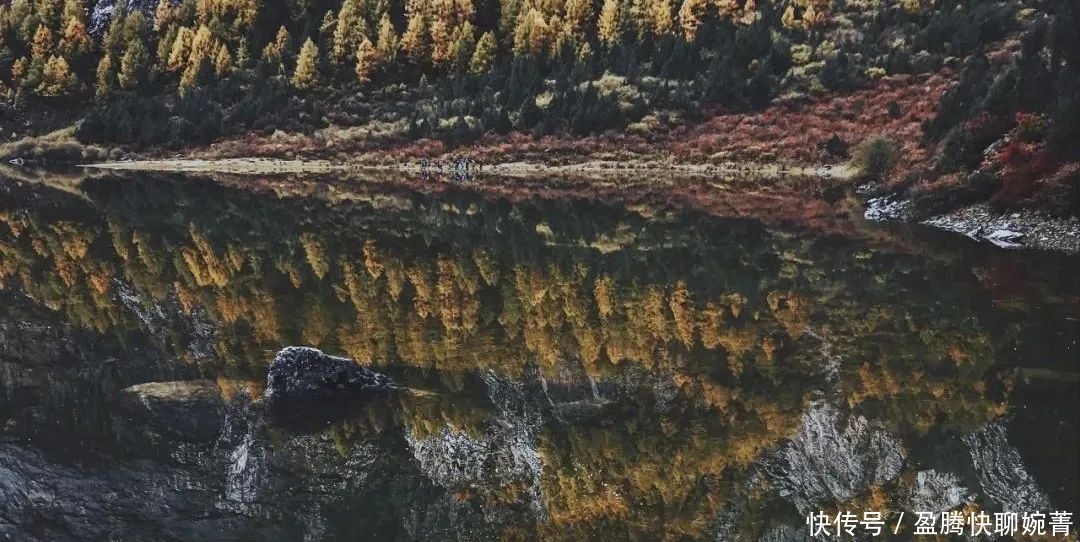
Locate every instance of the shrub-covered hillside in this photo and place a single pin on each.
(1009, 130)
(175, 73)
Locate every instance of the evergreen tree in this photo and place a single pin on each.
(692, 16)
(56, 78)
(74, 41)
(164, 47)
(105, 83)
(484, 55)
(367, 58)
(349, 30)
(243, 56)
(132, 65)
(222, 61)
(462, 50)
(661, 18)
(414, 40)
(387, 44)
(306, 73)
(608, 27)
(42, 44)
(163, 15)
(181, 49)
(19, 70)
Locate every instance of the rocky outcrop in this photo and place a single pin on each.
(299, 372)
(103, 11)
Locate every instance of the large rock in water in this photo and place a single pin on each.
(299, 372)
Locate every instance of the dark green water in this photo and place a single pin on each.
(584, 369)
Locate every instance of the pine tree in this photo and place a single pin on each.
(73, 9)
(462, 51)
(692, 16)
(19, 69)
(584, 53)
(47, 12)
(788, 18)
(56, 78)
(367, 59)
(42, 44)
(113, 41)
(531, 34)
(181, 49)
(414, 40)
(484, 56)
(348, 31)
(134, 28)
(106, 80)
(222, 61)
(75, 41)
(163, 15)
(164, 47)
(327, 27)
(243, 57)
(274, 52)
(608, 26)
(203, 45)
(579, 15)
(661, 16)
(132, 65)
(387, 42)
(306, 73)
(188, 78)
(638, 16)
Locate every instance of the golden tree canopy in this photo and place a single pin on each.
(56, 78)
(306, 73)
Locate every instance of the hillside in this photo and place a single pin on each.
(977, 101)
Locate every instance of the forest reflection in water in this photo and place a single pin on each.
(583, 369)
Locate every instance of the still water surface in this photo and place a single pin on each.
(582, 368)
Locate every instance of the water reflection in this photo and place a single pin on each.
(582, 369)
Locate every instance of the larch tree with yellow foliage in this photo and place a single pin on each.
(349, 31)
(387, 44)
(74, 41)
(609, 26)
(105, 82)
(56, 78)
(484, 55)
(42, 44)
(414, 40)
(691, 16)
(306, 73)
(367, 60)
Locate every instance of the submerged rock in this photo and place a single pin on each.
(308, 373)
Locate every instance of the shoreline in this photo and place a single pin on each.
(1019, 229)
(590, 169)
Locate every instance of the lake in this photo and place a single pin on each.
(605, 364)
